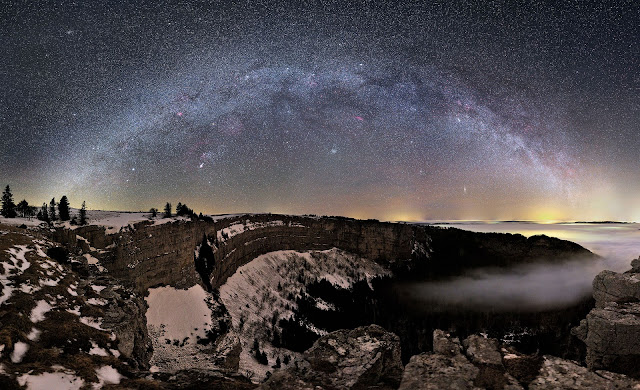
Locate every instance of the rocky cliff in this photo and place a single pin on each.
(149, 254)
(611, 331)
(482, 363)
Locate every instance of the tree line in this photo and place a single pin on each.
(47, 212)
(181, 211)
(54, 211)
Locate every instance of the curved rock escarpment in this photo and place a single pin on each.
(149, 254)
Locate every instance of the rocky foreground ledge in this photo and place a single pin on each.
(369, 358)
(611, 331)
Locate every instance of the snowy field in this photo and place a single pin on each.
(113, 221)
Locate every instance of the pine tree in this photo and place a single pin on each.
(23, 208)
(63, 208)
(154, 212)
(52, 209)
(44, 214)
(32, 211)
(8, 207)
(83, 214)
(167, 210)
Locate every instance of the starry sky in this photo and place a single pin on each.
(403, 111)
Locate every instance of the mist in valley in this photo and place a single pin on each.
(534, 287)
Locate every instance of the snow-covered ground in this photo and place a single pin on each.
(178, 314)
(47, 309)
(113, 221)
(240, 227)
(16, 265)
(51, 381)
(263, 288)
(176, 319)
(20, 221)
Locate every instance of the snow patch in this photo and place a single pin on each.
(75, 310)
(16, 265)
(34, 334)
(107, 375)
(97, 301)
(239, 227)
(38, 312)
(51, 381)
(50, 282)
(93, 261)
(178, 313)
(95, 323)
(96, 350)
(19, 349)
(17, 221)
(40, 252)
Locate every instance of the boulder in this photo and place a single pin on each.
(361, 358)
(484, 365)
(482, 350)
(444, 344)
(436, 371)
(448, 368)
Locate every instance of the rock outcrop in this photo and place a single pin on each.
(127, 321)
(557, 373)
(481, 363)
(611, 331)
(609, 286)
(365, 357)
(476, 366)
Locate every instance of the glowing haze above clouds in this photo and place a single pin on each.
(411, 112)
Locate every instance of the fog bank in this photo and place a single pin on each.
(537, 286)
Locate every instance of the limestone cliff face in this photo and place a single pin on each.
(148, 254)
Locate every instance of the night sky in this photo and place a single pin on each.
(434, 110)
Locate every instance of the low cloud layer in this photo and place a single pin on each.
(536, 286)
